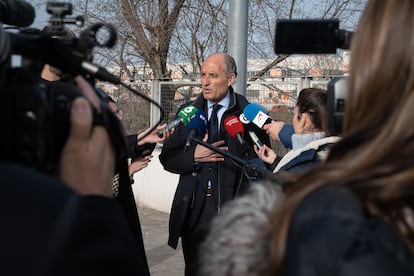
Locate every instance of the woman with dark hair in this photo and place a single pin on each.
(353, 215)
(310, 141)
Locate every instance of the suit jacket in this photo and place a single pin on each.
(47, 229)
(190, 194)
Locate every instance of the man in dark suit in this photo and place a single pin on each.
(207, 179)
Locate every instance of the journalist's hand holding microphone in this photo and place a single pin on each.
(87, 161)
(153, 137)
(266, 154)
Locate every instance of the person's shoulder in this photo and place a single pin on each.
(254, 206)
(199, 102)
(23, 174)
(35, 184)
(241, 99)
(239, 227)
(331, 201)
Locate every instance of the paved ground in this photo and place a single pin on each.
(162, 259)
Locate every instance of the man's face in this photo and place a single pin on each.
(214, 81)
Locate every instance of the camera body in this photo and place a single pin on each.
(35, 117)
(336, 95)
(317, 36)
(310, 36)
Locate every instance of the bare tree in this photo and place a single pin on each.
(347, 11)
(156, 33)
(153, 34)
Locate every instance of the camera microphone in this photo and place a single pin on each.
(184, 117)
(98, 72)
(16, 13)
(197, 127)
(257, 114)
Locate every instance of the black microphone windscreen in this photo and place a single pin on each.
(16, 13)
(196, 126)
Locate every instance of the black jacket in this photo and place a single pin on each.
(47, 229)
(332, 235)
(191, 189)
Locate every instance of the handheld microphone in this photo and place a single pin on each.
(184, 117)
(257, 114)
(235, 128)
(197, 127)
(255, 139)
(17, 13)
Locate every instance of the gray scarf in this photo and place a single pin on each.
(301, 140)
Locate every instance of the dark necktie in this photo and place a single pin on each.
(213, 124)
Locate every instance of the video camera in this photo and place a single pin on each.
(311, 36)
(35, 113)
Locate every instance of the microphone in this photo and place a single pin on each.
(197, 127)
(243, 119)
(257, 114)
(235, 128)
(17, 13)
(184, 117)
(255, 139)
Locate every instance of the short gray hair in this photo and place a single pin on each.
(235, 244)
(230, 65)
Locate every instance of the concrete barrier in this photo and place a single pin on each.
(154, 187)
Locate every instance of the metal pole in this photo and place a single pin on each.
(156, 96)
(237, 41)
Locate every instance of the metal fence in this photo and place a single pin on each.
(273, 95)
(278, 96)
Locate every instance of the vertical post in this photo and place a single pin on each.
(156, 96)
(237, 41)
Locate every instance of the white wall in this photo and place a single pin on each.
(154, 187)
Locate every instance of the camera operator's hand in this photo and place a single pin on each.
(87, 162)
